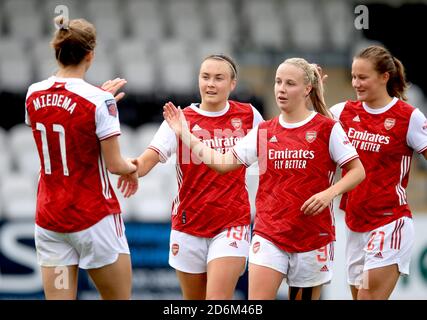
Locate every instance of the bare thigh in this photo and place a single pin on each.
(114, 281)
(60, 283)
(264, 282)
(223, 274)
(379, 283)
(193, 285)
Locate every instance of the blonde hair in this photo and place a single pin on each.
(312, 77)
(73, 40)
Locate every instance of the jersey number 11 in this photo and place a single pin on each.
(46, 158)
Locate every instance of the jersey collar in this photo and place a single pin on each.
(68, 80)
(380, 110)
(288, 125)
(196, 108)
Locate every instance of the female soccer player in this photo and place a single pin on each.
(297, 152)
(209, 241)
(385, 130)
(76, 127)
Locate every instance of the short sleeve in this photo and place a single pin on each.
(340, 148)
(164, 142)
(417, 131)
(27, 118)
(337, 109)
(107, 118)
(257, 117)
(246, 150)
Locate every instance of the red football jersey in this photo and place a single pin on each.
(385, 140)
(69, 117)
(208, 202)
(296, 161)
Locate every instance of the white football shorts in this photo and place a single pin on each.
(384, 246)
(94, 247)
(301, 269)
(192, 254)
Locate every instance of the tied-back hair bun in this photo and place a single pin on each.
(62, 22)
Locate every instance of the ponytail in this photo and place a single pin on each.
(397, 86)
(317, 93)
(312, 77)
(383, 62)
(73, 40)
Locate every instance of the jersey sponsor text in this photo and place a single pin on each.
(290, 159)
(367, 141)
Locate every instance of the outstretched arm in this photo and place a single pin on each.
(355, 175)
(113, 86)
(145, 162)
(222, 163)
(113, 160)
(117, 165)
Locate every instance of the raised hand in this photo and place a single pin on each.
(113, 86)
(319, 70)
(175, 118)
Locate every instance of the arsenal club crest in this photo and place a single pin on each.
(175, 249)
(236, 123)
(310, 136)
(389, 123)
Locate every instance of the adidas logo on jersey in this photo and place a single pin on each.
(196, 128)
(324, 268)
(356, 118)
(379, 255)
(273, 139)
(233, 244)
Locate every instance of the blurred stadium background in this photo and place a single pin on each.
(157, 45)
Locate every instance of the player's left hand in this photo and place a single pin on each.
(317, 203)
(322, 75)
(113, 86)
(175, 118)
(128, 183)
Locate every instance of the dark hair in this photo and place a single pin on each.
(73, 40)
(229, 60)
(383, 62)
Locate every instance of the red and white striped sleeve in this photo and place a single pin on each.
(417, 131)
(107, 117)
(246, 150)
(340, 148)
(164, 142)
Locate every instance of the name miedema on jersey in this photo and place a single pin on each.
(54, 100)
(290, 159)
(364, 140)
